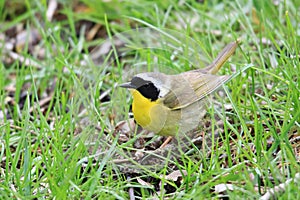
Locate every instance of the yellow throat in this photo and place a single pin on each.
(141, 107)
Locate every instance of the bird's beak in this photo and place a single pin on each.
(127, 85)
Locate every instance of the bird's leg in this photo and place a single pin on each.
(166, 142)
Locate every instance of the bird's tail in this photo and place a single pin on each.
(222, 57)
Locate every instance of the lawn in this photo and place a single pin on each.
(66, 128)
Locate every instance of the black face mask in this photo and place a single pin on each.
(146, 88)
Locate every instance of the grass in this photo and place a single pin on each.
(58, 115)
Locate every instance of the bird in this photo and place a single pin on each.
(169, 105)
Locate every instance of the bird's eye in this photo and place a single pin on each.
(149, 91)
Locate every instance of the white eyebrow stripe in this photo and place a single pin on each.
(157, 83)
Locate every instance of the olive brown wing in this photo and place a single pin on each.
(190, 87)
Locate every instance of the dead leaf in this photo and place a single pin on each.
(220, 188)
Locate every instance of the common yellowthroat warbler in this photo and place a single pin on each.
(171, 104)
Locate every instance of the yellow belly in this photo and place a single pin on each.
(151, 115)
(154, 116)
